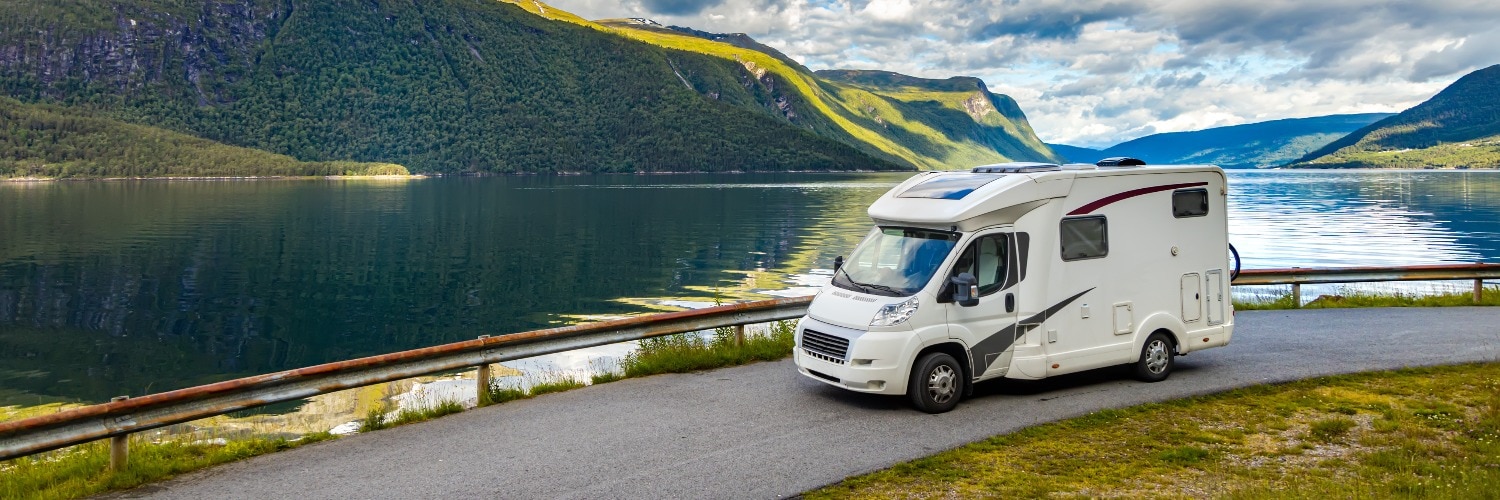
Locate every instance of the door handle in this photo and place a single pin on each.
(1010, 302)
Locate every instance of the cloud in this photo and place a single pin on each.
(1098, 72)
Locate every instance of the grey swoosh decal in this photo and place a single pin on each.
(999, 341)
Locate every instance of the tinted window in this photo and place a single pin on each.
(985, 259)
(1084, 238)
(1190, 203)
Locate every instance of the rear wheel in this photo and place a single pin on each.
(937, 383)
(1156, 359)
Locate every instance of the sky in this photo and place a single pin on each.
(1096, 73)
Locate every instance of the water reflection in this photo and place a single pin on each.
(111, 288)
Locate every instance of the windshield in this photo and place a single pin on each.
(895, 261)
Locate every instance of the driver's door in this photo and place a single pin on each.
(989, 329)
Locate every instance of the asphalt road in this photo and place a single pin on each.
(763, 431)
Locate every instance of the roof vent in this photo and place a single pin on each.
(1017, 168)
(1120, 161)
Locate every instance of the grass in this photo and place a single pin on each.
(380, 418)
(692, 352)
(1429, 432)
(565, 383)
(1350, 298)
(82, 470)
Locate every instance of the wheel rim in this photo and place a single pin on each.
(942, 384)
(1156, 356)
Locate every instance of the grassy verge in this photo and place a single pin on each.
(681, 353)
(1345, 299)
(692, 352)
(378, 419)
(1431, 432)
(83, 470)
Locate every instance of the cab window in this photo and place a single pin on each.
(985, 258)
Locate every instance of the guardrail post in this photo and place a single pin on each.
(482, 382)
(739, 335)
(1296, 293)
(119, 446)
(1478, 288)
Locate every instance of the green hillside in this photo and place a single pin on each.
(930, 124)
(1458, 127)
(439, 86)
(44, 141)
(1253, 145)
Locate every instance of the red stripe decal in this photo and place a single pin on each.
(1130, 194)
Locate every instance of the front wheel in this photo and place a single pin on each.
(1156, 359)
(936, 383)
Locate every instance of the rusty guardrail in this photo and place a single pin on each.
(1297, 276)
(123, 416)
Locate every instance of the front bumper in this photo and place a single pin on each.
(875, 362)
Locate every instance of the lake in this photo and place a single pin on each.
(133, 287)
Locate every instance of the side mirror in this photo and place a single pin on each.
(838, 263)
(965, 290)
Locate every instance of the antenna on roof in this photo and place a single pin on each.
(1120, 161)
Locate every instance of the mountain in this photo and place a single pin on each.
(46, 141)
(1253, 145)
(1458, 127)
(441, 86)
(929, 124)
(1077, 154)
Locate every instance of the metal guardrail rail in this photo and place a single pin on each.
(119, 418)
(1297, 276)
(123, 416)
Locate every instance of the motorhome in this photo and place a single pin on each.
(1025, 271)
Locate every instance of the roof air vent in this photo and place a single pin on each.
(1120, 161)
(1017, 168)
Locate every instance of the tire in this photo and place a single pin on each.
(1156, 359)
(937, 383)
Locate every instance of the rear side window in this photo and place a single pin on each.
(1190, 203)
(1085, 238)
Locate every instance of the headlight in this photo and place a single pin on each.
(895, 314)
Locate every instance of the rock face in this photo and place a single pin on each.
(211, 50)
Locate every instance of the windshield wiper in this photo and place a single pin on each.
(884, 288)
(867, 286)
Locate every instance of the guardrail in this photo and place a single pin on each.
(1297, 276)
(119, 418)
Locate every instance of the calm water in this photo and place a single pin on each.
(111, 288)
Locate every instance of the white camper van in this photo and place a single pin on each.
(1025, 271)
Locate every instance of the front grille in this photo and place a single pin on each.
(824, 346)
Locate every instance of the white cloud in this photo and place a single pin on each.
(1098, 72)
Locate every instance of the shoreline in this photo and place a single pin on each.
(20, 180)
(23, 180)
(38, 180)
